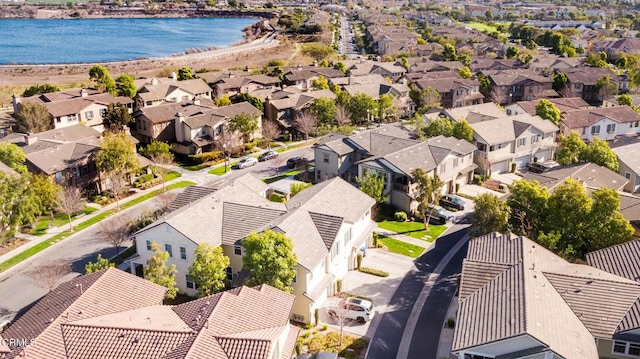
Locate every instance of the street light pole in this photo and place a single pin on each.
(224, 149)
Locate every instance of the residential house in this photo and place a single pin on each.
(454, 92)
(590, 174)
(526, 280)
(115, 315)
(391, 39)
(158, 91)
(404, 105)
(628, 152)
(504, 141)
(428, 49)
(156, 122)
(284, 107)
(605, 123)
(303, 77)
(486, 63)
(613, 101)
(76, 106)
(581, 82)
(509, 86)
(547, 63)
(426, 65)
(616, 48)
(621, 260)
(327, 224)
(564, 104)
(390, 152)
(476, 10)
(232, 85)
(364, 67)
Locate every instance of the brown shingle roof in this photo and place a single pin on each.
(594, 176)
(622, 260)
(582, 118)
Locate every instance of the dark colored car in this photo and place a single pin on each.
(267, 156)
(439, 215)
(453, 201)
(296, 161)
(540, 167)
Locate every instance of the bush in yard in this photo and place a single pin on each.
(316, 343)
(358, 344)
(339, 286)
(359, 260)
(324, 327)
(400, 216)
(375, 240)
(451, 322)
(206, 157)
(316, 314)
(373, 271)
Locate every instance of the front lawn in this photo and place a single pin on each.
(193, 167)
(219, 171)
(400, 247)
(413, 229)
(60, 220)
(172, 175)
(281, 176)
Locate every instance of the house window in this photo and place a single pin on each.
(183, 253)
(347, 237)
(185, 98)
(103, 112)
(595, 129)
(443, 167)
(173, 99)
(619, 347)
(58, 177)
(148, 244)
(325, 158)
(190, 283)
(627, 175)
(636, 124)
(455, 162)
(634, 349)
(229, 271)
(237, 250)
(521, 142)
(149, 103)
(611, 128)
(88, 115)
(535, 139)
(169, 249)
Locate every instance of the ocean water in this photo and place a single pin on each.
(58, 41)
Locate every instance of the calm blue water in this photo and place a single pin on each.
(35, 41)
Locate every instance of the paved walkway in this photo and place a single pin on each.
(404, 238)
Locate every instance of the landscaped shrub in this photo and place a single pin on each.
(400, 216)
(375, 240)
(274, 197)
(324, 327)
(372, 271)
(358, 344)
(339, 286)
(207, 156)
(332, 339)
(359, 261)
(451, 322)
(316, 315)
(316, 343)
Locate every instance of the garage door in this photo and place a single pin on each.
(543, 155)
(522, 162)
(500, 167)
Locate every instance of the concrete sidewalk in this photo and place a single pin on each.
(446, 335)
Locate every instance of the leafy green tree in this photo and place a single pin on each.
(270, 259)
(449, 53)
(185, 73)
(318, 52)
(512, 52)
(462, 131)
(571, 148)
(528, 203)
(440, 126)
(606, 226)
(485, 86)
(606, 88)
(426, 98)
(324, 109)
(245, 124)
(298, 187)
(157, 271)
(208, 270)
(160, 154)
(386, 108)
(491, 215)
(116, 158)
(12, 156)
(125, 86)
(427, 192)
(597, 59)
(34, 117)
(559, 81)
(222, 101)
(340, 66)
(625, 100)
(321, 83)
(245, 97)
(362, 107)
(100, 264)
(102, 79)
(46, 193)
(404, 63)
(548, 111)
(19, 205)
(40, 89)
(599, 152)
(372, 184)
(117, 117)
(464, 72)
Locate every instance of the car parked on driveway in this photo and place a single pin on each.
(540, 167)
(247, 162)
(453, 201)
(360, 310)
(267, 156)
(439, 215)
(296, 161)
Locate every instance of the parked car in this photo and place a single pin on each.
(247, 162)
(357, 309)
(439, 215)
(267, 156)
(540, 167)
(296, 161)
(453, 201)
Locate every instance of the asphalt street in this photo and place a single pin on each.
(386, 340)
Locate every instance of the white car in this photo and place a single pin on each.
(357, 309)
(247, 162)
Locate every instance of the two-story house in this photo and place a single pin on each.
(564, 104)
(327, 225)
(605, 123)
(403, 104)
(628, 151)
(76, 106)
(454, 92)
(393, 154)
(364, 67)
(509, 86)
(158, 91)
(285, 106)
(582, 82)
(233, 85)
(302, 77)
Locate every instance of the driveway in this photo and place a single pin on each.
(379, 289)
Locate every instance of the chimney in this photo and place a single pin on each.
(174, 76)
(83, 93)
(179, 127)
(315, 63)
(154, 81)
(30, 139)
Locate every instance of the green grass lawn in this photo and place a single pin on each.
(219, 171)
(172, 175)
(281, 176)
(59, 220)
(91, 221)
(413, 229)
(193, 167)
(480, 26)
(400, 247)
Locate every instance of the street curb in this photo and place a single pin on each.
(405, 343)
(453, 299)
